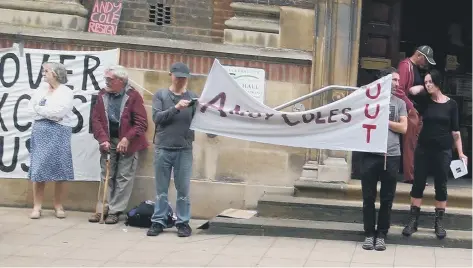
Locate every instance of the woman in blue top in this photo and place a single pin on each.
(440, 132)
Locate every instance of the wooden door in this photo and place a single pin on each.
(379, 37)
(379, 46)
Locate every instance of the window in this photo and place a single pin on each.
(160, 14)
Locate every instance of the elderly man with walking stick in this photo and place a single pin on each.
(119, 124)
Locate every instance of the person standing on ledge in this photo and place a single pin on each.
(383, 167)
(173, 110)
(410, 76)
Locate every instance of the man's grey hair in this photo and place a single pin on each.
(59, 70)
(119, 72)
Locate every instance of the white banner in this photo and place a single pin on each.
(358, 122)
(20, 75)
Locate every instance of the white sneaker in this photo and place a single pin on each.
(369, 243)
(379, 244)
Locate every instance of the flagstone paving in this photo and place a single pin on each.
(51, 242)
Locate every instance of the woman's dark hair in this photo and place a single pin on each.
(387, 71)
(437, 78)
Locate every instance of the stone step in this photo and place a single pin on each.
(319, 209)
(259, 226)
(460, 197)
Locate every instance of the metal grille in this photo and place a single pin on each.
(160, 14)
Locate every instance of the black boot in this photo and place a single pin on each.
(439, 230)
(411, 226)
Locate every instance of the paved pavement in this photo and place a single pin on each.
(75, 242)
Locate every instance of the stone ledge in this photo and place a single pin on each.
(350, 211)
(259, 226)
(63, 8)
(253, 24)
(245, 9)
(208, 198)
(43, 19)
(18, 33)
(457, 197)
(254, 17)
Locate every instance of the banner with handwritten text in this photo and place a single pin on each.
(358, 122)
(20, 76)
(105, 16)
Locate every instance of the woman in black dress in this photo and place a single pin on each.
(440, 132)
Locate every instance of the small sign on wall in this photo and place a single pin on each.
(252, 80)
(105, 16)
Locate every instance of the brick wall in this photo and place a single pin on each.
(155, 60)
(193, 20)
(189, 19)
(221, 12)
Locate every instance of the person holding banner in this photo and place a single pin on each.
(173, 110)
(440, 132)
(51, 155)
(119, 124)
(384, 167)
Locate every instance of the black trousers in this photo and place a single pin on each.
(435, 162)
(372, 171)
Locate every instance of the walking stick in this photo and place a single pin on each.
(97, 207)
(105, 187)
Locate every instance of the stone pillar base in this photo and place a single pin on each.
(334, 170)
(310, 171)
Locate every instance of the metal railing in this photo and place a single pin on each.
(313, 94)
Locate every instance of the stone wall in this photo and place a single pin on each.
(263, 25)
(63, 15)
(167, 19)
(196, 20)
(222, 12)
(227, 173)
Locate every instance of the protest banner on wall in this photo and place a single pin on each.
(358, 122)
(20, 75)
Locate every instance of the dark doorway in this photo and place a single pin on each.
(392, 29)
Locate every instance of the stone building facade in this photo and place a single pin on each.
(194, 20)
(276, 35)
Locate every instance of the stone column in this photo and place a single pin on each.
(54, 14)
(335, 61)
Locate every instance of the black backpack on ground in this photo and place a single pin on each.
(140, 216)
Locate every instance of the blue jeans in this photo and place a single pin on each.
(164, 162)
